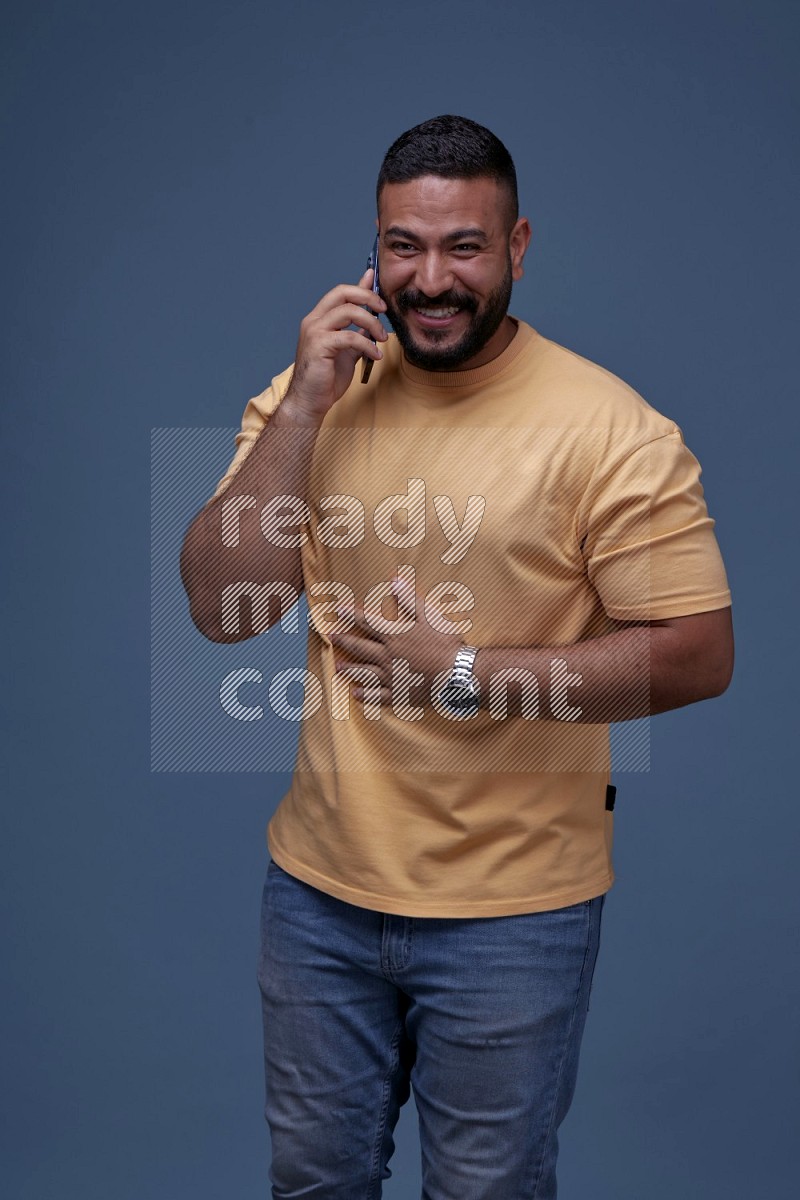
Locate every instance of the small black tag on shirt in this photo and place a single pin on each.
(611, 795)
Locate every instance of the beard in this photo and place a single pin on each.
(483, 326)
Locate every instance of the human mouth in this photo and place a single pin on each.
(438, 312)
(435, 318)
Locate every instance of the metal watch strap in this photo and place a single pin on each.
(463, 666)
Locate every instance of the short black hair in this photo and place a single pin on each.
(453, 147)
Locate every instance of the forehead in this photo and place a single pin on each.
(434, 204)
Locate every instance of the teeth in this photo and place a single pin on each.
(438, 312)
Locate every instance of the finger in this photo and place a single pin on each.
(352, 314)
(368, 333)
(367, 325)
(407, 602)
(361, 622)
(348, 293)
(371, 327)
(345, 339)
(385, 695)
(356, 647)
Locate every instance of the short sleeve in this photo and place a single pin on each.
(256, 415)
(647, 539)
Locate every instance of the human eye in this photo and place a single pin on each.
(401, 247)
(467, 247)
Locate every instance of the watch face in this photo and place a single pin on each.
(460, 699)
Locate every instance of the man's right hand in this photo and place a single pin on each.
(327, 351)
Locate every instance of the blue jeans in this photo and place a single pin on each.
(483, 1016)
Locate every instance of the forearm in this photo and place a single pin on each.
(633, 672)
(231, 543)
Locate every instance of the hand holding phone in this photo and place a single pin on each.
(341, 329)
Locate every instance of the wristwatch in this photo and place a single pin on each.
(460, 695)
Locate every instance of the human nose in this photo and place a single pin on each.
(433, 275)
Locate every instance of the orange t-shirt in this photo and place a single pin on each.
(553, 502)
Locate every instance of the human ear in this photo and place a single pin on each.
(518, 243)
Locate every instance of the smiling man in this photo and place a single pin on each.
(504, 548)
(447, 285)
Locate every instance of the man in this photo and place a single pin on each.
(504, 548)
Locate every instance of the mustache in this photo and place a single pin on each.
(413, 299)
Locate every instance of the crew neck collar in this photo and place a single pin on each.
(474, 375)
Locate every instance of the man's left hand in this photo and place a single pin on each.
(426, 650)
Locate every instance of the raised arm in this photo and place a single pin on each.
(225, 551)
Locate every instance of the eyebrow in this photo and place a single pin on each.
(459, 235)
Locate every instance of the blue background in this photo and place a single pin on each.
(182, 182)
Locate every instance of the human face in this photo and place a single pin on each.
(445, 244)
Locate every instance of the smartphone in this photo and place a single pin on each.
(372, 262)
